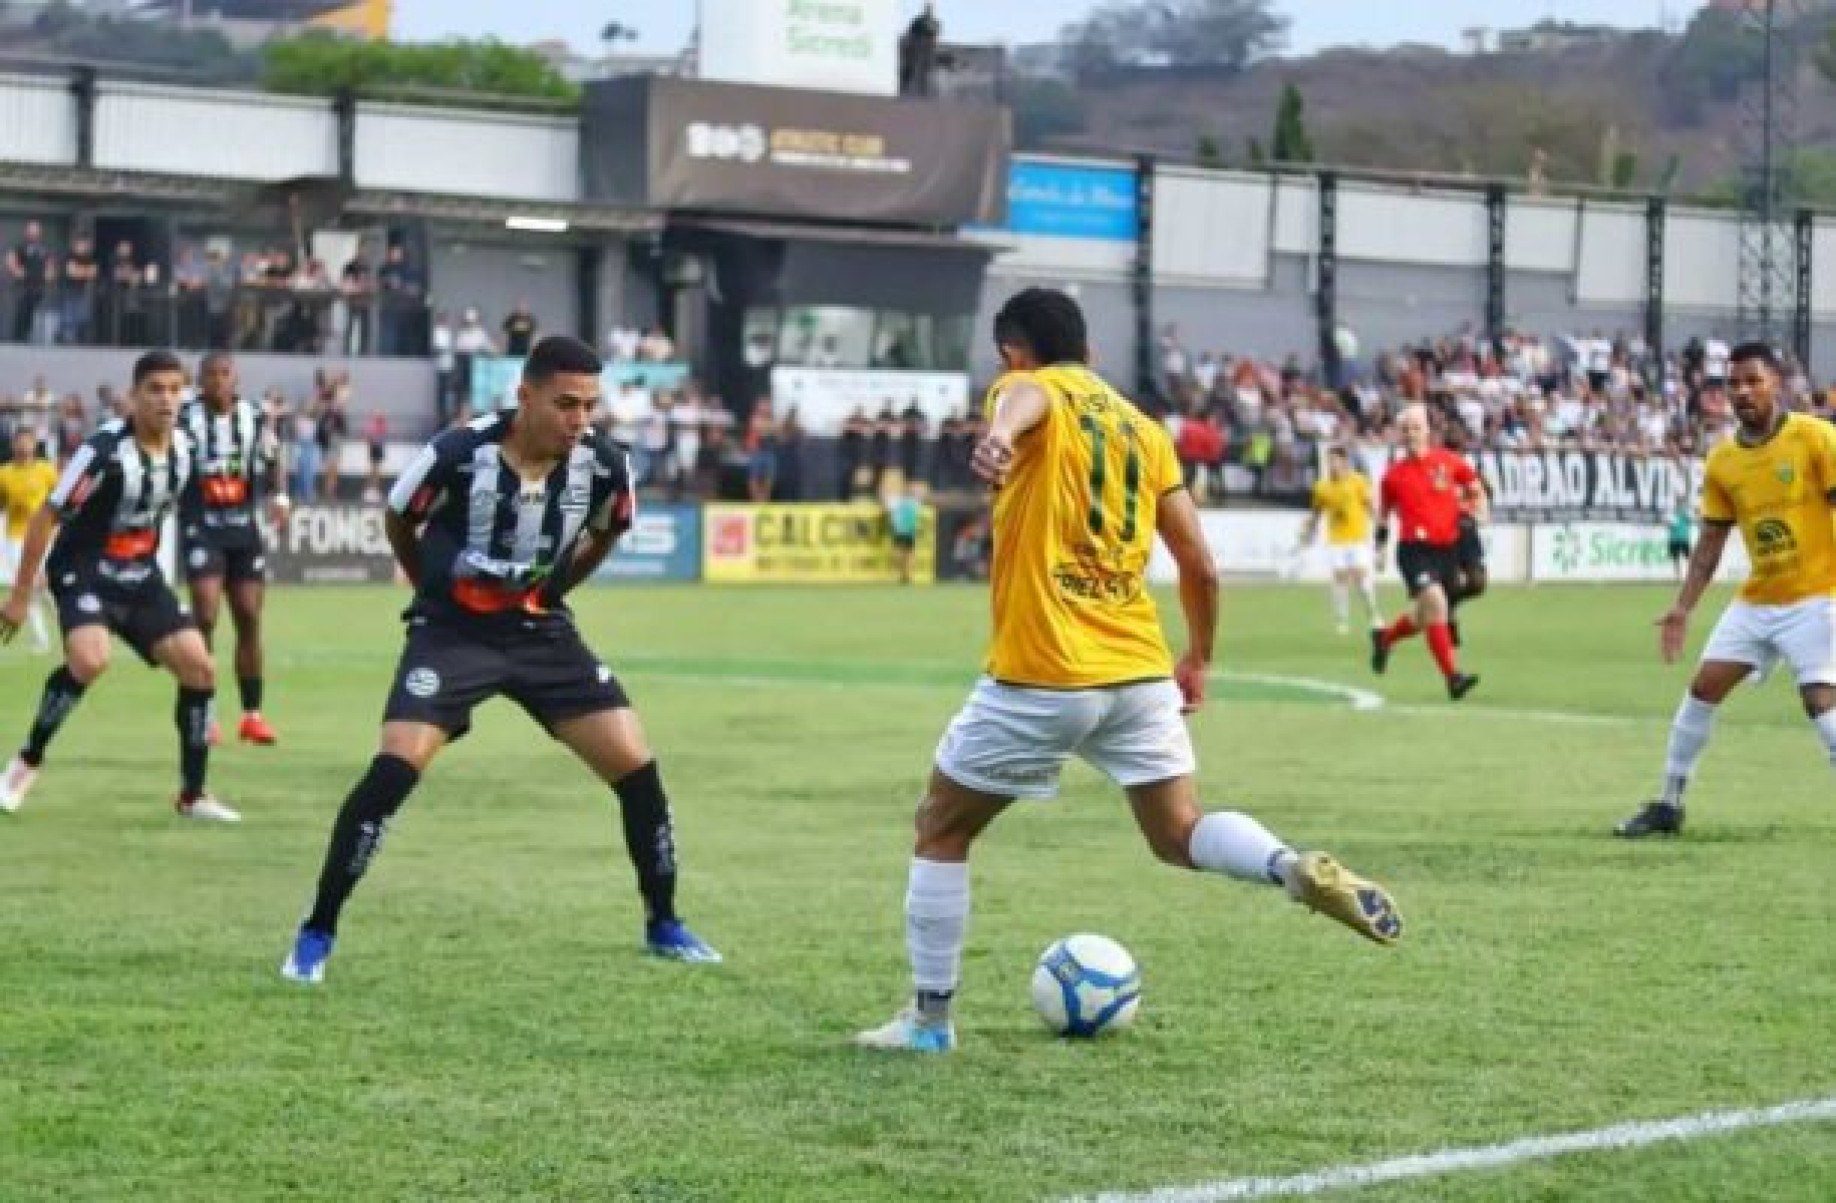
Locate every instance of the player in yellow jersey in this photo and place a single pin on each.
(1077, 663)
(1343, 499)
(1776, 481)
(25, 482)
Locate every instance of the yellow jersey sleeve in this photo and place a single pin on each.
(1164, 472)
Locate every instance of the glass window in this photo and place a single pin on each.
(826, 336)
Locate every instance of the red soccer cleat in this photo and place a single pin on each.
(255, 730)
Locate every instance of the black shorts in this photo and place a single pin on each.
(1425, 564)
(142, 614)
(235, 557)
(1679, 549)
(445, 672)
(904, 542)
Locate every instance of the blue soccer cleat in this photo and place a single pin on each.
(673, 941)
(306, 963)
(908, 1033)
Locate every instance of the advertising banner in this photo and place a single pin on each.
(735, 148)
(824, 397)
(330, 544)
(810, 544)
(664, 544)
(1057, 200)
(1597, 486)
(1616, 551)
(828, 45)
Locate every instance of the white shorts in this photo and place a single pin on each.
(1013, 742)
(1802, 634)
(1348, 557)
(9, 559)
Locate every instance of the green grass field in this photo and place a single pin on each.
(489, 1029)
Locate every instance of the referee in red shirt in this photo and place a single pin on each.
(1428, 490)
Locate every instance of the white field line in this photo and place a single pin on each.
(1450, 1161)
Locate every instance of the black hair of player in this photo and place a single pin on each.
(557, 355)
(154, 362)
(1338, 451)
(1046, 322)
(210, 360)
(1755, 350)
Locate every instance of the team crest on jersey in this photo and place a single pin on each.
(1786, 474)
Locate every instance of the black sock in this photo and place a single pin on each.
(192, 715)
(362, 822)
(62, 693)
(650, 839)
(250, 688)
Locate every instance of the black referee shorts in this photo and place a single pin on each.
(1426, 564)
(446, 671)
(1470, 549)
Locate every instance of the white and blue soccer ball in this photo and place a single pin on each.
(1086, 985)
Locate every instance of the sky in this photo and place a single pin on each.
(664, 25)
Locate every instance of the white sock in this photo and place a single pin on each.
(1341, 602)
(1232, 843)
(936, 918)
(1689, 734)
(41, 635)
(1368, 588)
(1826, 727)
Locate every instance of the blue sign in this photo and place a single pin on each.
(1061, 201)
(495, 377)
(664, 544)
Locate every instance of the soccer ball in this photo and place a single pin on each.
(1085, 985)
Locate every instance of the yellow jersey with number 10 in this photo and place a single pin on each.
(1778, 493)
(23, 489)
(1073, 530)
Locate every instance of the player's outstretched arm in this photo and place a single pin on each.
(1673, 624)
(19, 600)
(1021, 406)
(404, 535)
(1179, 528)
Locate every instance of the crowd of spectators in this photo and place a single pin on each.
(1268, 419)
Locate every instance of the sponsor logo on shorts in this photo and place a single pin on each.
(1039, 776)
(605, 675)
(422, 682)
(89, 603)
(260, 564)
(199, 557)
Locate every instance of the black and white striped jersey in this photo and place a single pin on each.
(112, 499)
(233, 453)
(495, 544)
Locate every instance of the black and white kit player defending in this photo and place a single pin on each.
(235, 458)
(106, 514)
(494, 523)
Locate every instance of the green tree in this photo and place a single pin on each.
(1290, 143)
(319, 64)
(1225, 35)
(1207, 153)
(1044, 109)
(1716, 56)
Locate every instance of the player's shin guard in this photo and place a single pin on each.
(1234, 844)
(362, 822)
(1689, 734)
(191, 715)
(1440, 643)
(936, 921)
(62, 693)
(650, 838)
